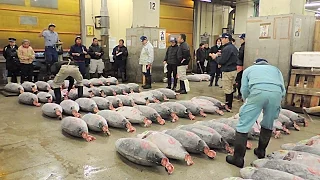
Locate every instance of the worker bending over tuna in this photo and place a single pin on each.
(66, 70)
(260, 93)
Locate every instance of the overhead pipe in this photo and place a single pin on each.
(105, 26)
(83, 21)
(230, 19)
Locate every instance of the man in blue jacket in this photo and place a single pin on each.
(262, 89)
(78, 52)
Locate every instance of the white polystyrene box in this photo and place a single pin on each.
(306, 59)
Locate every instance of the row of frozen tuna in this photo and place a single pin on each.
(296, 161)
(198, 77)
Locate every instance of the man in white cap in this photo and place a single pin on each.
(146, 60)
(51, 38)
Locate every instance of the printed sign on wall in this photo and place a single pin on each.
(162, 39)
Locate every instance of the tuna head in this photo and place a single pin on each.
(247, 172)
(259, 163)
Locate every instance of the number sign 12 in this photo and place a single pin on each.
(152, 5)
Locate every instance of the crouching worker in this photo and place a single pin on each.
(261, 93)
(66, 70)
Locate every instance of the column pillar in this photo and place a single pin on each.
(244, 9)
(278, 7)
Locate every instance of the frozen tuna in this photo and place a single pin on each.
(96, 123)
(148, 95)
(151, 114)
(116, 102)
(168, 145)
(65, 84)
(180, 110)
(103, 103)
(204, 77)
(112, 80)
(216, 102)
(143, 152)
(307, 159)
(96, 82)
(134, 115)
(168, 93)
(193, 107)
(97, 92)
(191, 142)
(124, 88)
(126, 100)
(139, 99)
(29, 99)
(288, 122)
(87, 83)
(294, 117)
(14, 88)
(134, 87)
(266, 174)
(108, 91)
(116, 120)
(43, 86)
(76, 127)
(104, 81)
(213, 139)
(294, 168)
(44, 97)
(87, 105)
(52, 110)
(70, 107)
(194, 78)
(29, 87)
(313, 142)
(207, 106)
(117, 89)
(87, 92)
(159, 95)
(302, 148)
(164, 111)
(50, 82)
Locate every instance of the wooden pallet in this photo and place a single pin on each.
(304, 89)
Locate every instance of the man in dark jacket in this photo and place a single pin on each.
(227, 62)
(171, 60)
(184, 57)
(201, 57)
(207, 57)
(78, 52)
(12, 60)
(120, 56)
(96, 63)
(240, 65)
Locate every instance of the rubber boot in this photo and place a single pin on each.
(123, 77)
(216, 81)
(100, 75)
(71, 83)
(178, 91)
(183, 87)
(148, 83)
(169, 83)
(239, 150)
(80, 91)
(230, 100)
(19, 79)
(92, 75)
(57, 94)
(9, 79)
(175, 81)
(211, 81)
(265, 135)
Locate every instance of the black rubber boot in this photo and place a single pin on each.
(239, 150)
(265, 135)
(80, 91)
(100, 75)
(211, 81)
(169, 83)
(183, 86)
(230, 100)
(148, 83)
(175, 81)
(92, 75)
(227, 104)
(178, 91)
(71, 83)
(123, 77)
(57, 94)
(216, 81)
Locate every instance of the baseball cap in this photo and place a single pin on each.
(142, 38)
(12, 39)
(51, 24)
(173, 39)
(226, 35)
(242, 36)
(261, 61)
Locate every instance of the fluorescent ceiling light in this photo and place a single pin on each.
(312, 4)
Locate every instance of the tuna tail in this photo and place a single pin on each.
(169, 167)
(226, 146)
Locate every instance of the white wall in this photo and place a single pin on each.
(277, 7)
(244, 9)
(120, 13)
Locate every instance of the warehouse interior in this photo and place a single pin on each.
(284, 32)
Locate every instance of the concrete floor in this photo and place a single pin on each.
(34, 147)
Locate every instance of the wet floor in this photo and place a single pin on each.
(34, 147)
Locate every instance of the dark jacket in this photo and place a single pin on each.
(229, 58)
(241, 55)
(93, 49)
(201, 55)
(184, 54)
(11, 56)
(55, 68)
(172, 55)
(122, 56)
(78, 49)
(207, 51)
